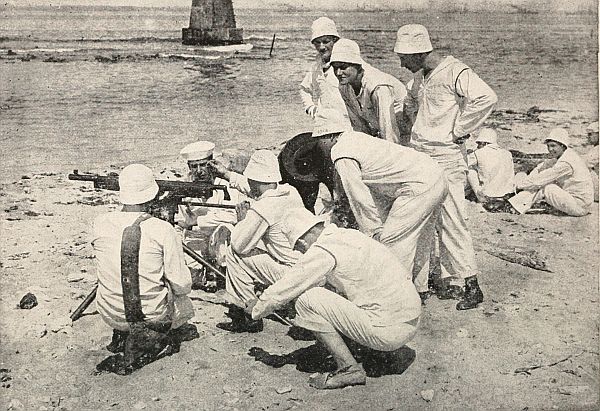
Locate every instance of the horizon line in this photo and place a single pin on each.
(450, 10)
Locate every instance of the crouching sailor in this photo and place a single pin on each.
(376, 303)
(563, 181)
(259, 251)
(143, 280)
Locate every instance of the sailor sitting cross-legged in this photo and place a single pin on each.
(259, 253)
(563, 181)
(491, 173)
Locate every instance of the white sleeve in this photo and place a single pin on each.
(479, 98)
(177, 272)
(310, 271)
(239, 182)
(359, 196)
(306, 90)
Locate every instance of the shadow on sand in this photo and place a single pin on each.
(315, 358)
(145, 352)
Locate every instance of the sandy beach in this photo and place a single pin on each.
(533, 343)
(111, 87)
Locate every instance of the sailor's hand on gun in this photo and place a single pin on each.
(187, 219)
(241, 210)
(219, 169)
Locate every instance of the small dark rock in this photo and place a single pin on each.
(31, 213)
(25, 178)
(28, 301)
(5, 377)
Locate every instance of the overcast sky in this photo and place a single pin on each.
(541, 5)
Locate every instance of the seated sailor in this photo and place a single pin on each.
(200, 223)
(591, 157)
(491, 170)
(563, 181)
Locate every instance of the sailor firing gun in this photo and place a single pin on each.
(171, 193)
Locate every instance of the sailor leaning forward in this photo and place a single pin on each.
(395, 192)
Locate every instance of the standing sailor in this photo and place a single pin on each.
(563, 181)
(446, 103)
(375, 303)
(374, 99)
(319, 88)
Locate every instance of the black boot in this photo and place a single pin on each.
(241, 322)
(473, 294)
(446, 291)
(118, 341)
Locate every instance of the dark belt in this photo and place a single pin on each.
(130, 278)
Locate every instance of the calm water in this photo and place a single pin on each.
(87, 87)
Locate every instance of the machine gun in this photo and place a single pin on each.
(170, 193)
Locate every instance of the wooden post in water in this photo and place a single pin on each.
(272, 44)
(212, 23)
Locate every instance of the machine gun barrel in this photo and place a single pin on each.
(174, 188)
(209, 205)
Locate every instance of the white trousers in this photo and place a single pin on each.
(323, 311)
(243, 272)
(409, 229)
(457, 256)
(553, 195)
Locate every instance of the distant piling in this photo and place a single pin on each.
(212, 22)
(272, 45)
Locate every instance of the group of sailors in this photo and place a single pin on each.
(396, 154)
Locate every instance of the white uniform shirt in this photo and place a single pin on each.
(162, 266)
(320, 88)
(451, 102)
(375, 172)
(361, 269)
(591, 158)
(263, 222)
(377, 109)
(568, 172)
(495, 169)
